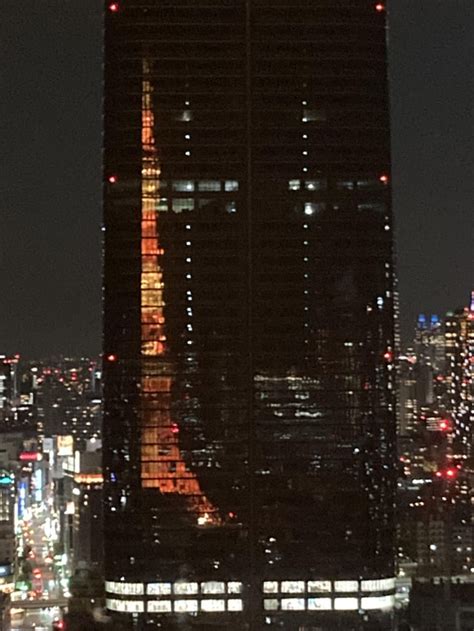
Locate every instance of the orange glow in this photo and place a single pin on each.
(162, 466)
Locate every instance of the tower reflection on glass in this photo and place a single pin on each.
(248, 308)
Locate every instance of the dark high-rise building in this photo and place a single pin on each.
(249, 469)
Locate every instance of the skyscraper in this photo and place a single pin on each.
(249, 466)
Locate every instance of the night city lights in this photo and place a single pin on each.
(237, 341)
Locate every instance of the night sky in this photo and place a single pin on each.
(50, 146)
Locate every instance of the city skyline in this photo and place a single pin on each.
(49, 274)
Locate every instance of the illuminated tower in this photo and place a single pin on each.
(249, 468)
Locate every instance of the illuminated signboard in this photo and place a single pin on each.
(65, 445)
(30, 456)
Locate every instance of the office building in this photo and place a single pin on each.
(249, 413)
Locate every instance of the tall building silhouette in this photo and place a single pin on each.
(249, 429)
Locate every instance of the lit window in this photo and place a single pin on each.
(292, 587)
(128, 606)
(234, 604)
(183, 204)
(347, 185)
(185, 588)
(292, 604)
(159, 606)
(311, 208)
(378, 602)
(346, 586)
(319, 604)
(231, 185)
(213, 587)
(155, 589)
(209, 185)
(319, 586)
(183, 186)
(294, 185)
(231, 207)
(270, 604)
(234, 587)
(129, 589)
(377, 585)
(346, 604)
(183, 606)
(270, 587)
(313, 115)
(162, 204)
(213, 605)
(316, 185)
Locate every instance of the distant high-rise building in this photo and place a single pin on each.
(249, 381)
(459, 332)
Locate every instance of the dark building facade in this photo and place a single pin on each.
(249, 430)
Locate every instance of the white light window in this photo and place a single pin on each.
(234, 587)
(319, 604)
(294, 185)
(184, 587)
(209, 186)
(378, 585)
(183, 204)
(213, 587)
(310, 208)
(319, 586)
(346, 604)
(313, 115)
(183, 186)
(346, 586)
(292, 587)
(231, 185)
(293, 604)
(183, 606)
(128, 589)
(270, 604)
(270, 587)
(162, 204)
(347, 185)
(234, 604)
(128, 606)
(158, 589)
(316, 185)
(213, 605)
(159, 606)
(378, 602)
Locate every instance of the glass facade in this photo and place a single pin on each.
(249, 465)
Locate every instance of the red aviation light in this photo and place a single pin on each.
(111, 358)
(379, 7)
(444, 425)
(388, 356)
(112, 179)
(175, 429)
(114, 7)
(384, 178)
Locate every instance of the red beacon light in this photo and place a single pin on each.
(451, 473)
(379, 7)
(112, 179)
(114, 7)
(444, 425)
(384, 178)
(111, 357)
